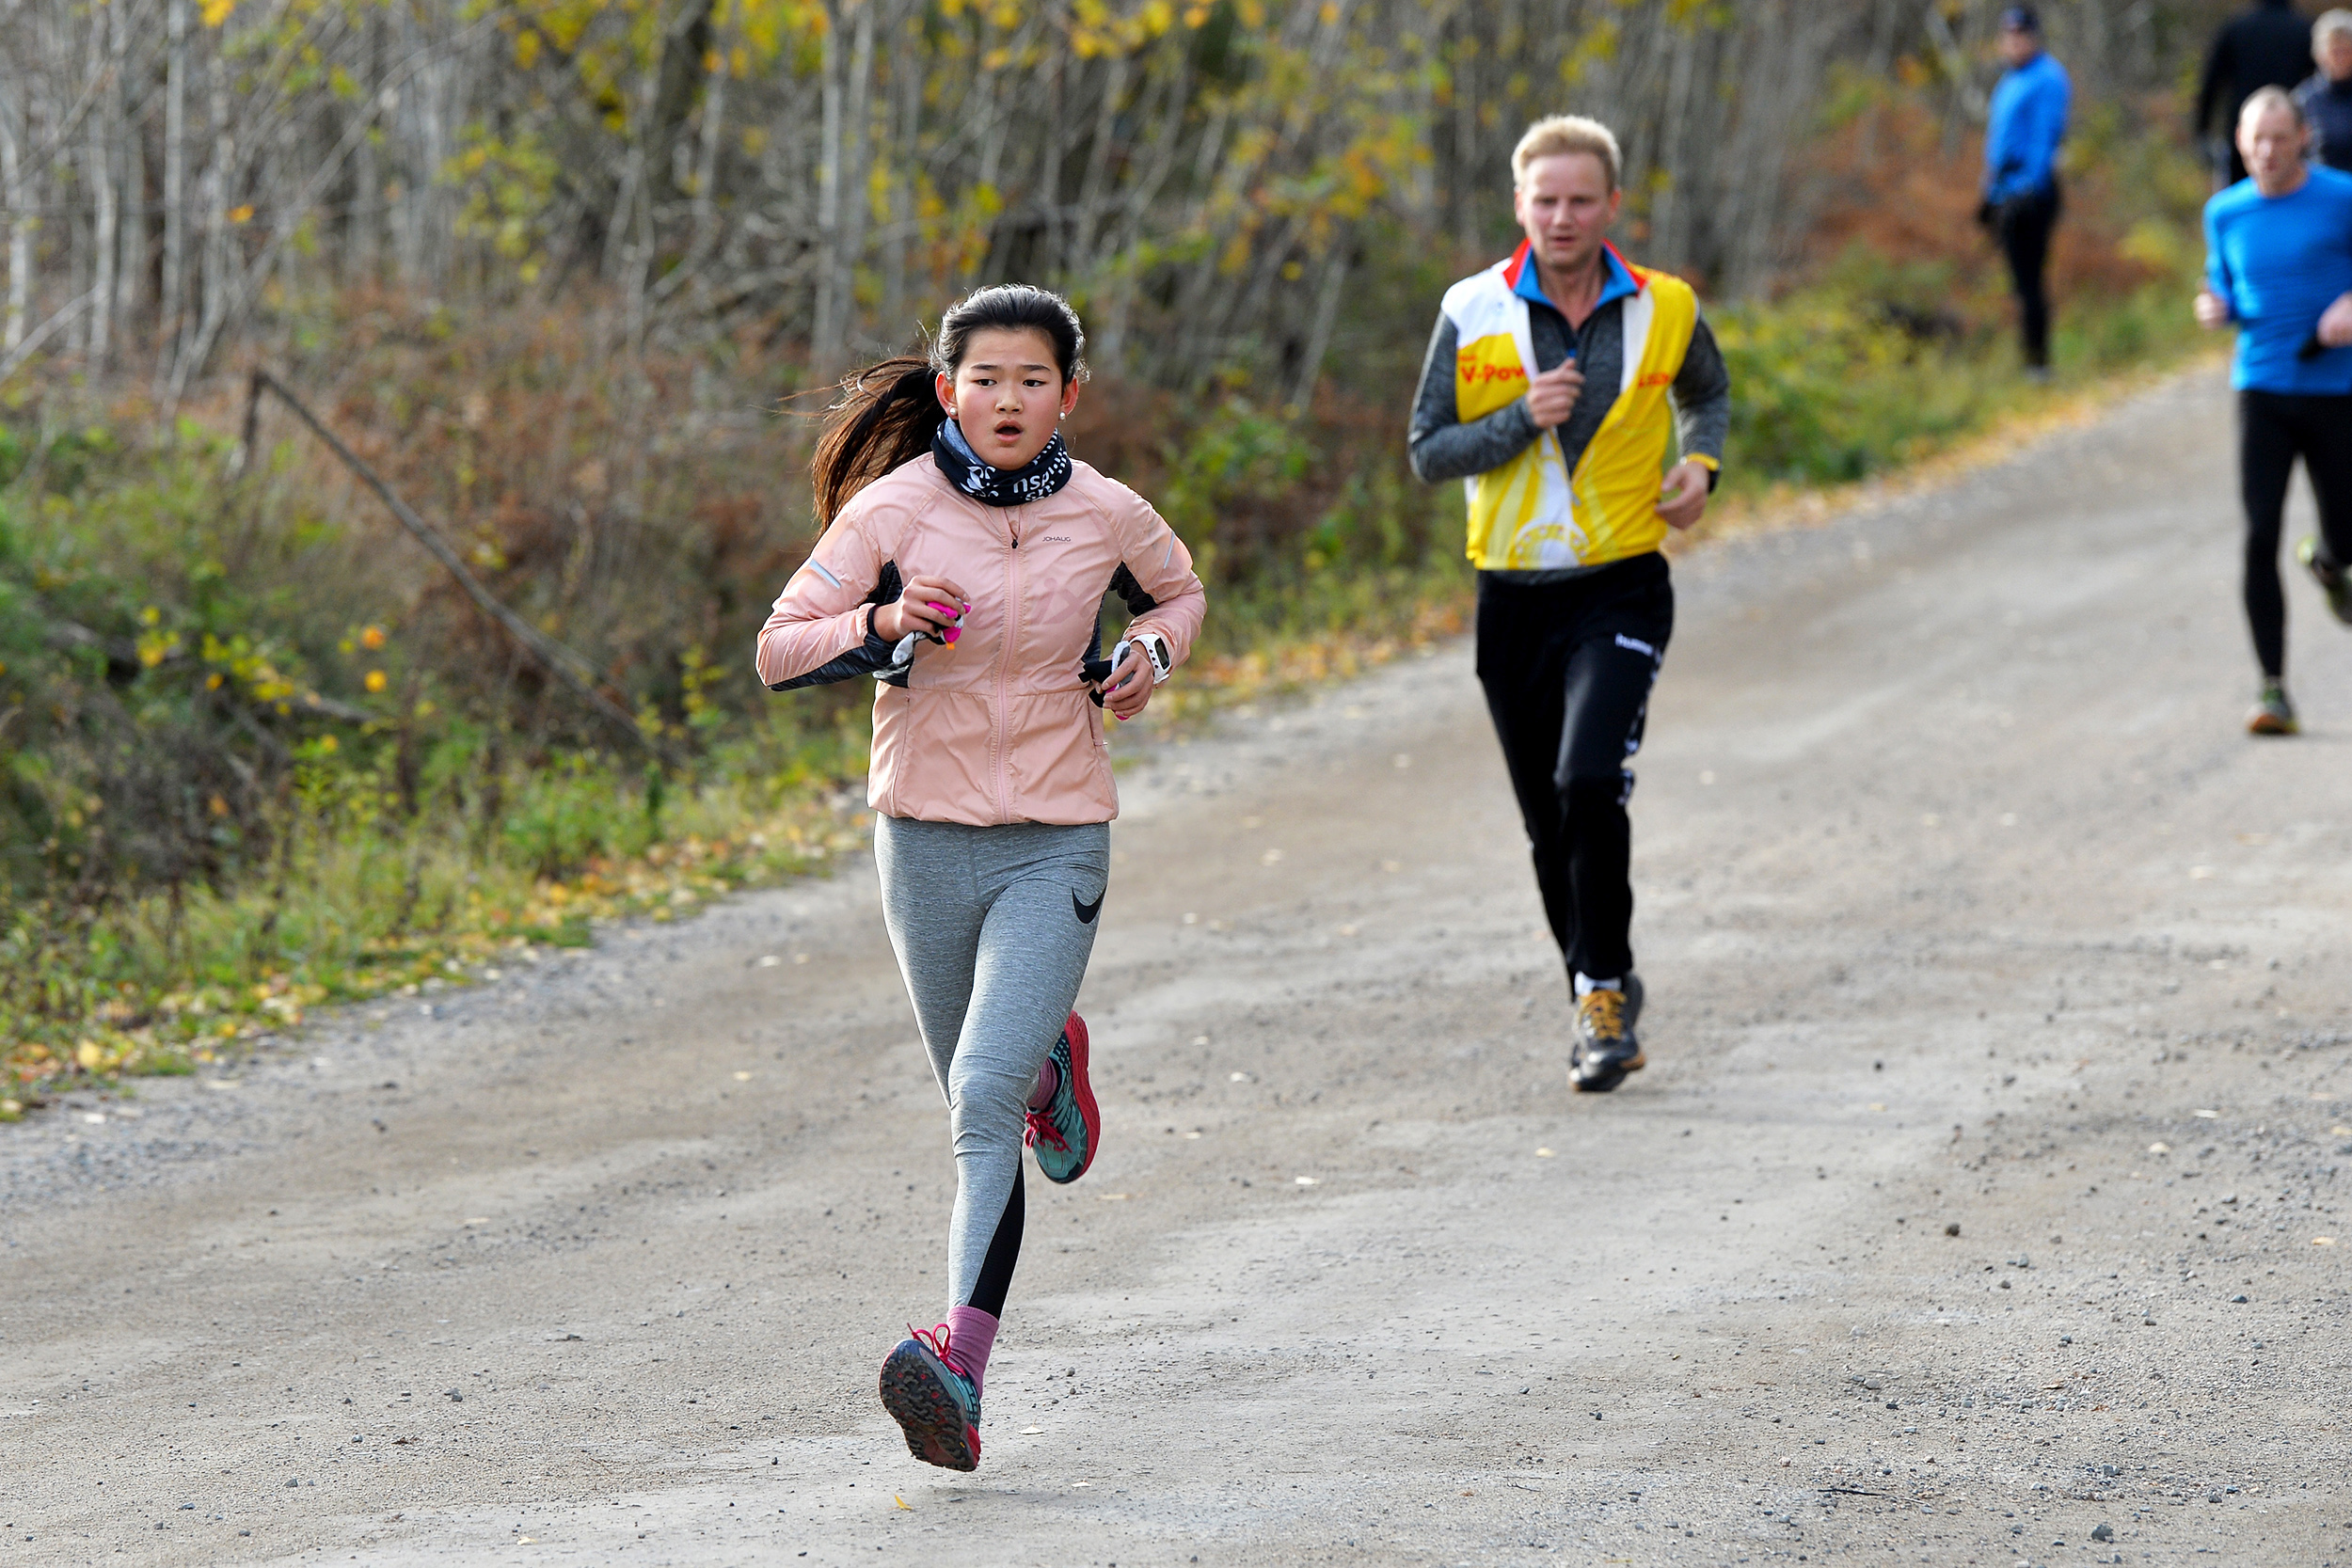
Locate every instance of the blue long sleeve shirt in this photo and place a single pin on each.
(2278, 261)
(2028, 123)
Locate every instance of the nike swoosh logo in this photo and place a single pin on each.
(1088, 912)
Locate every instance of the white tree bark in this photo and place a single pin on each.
(105, 55)
(174, 301)
(825, 331)
(21, 221)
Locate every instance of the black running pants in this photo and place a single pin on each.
(1567, 670)
(2274, 429)
(2026, 225)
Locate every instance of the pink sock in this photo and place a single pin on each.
(971, 1335)
(1048, 1080)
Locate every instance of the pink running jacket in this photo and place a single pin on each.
(998, 726)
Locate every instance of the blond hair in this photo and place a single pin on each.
(2329, 24)
(1556, 134)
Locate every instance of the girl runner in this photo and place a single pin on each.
(963, 563)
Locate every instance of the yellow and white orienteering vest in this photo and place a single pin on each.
(1531, 514)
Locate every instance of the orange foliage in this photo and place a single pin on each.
(1905, 190)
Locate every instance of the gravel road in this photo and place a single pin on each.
(1980, 1203)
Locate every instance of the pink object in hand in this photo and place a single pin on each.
(950, 634)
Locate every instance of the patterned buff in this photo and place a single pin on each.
(1043, 474)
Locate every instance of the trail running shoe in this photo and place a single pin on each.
(2329, 575)
(1067, 1131)
(2273, 714)
(1605, 1048)
(934, 1404)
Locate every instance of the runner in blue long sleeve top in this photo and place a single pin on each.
(2021, 189)
(2279, 268)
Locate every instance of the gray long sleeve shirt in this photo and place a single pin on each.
(1443, 447)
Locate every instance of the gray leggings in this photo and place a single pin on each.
(992, 929)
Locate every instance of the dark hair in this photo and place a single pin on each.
(889, 413)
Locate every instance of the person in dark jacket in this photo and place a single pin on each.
(2029, 111)
(2265, 46)
(2327, 96)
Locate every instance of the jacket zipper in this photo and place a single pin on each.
(1004, 665)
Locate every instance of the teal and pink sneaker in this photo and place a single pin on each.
(935, 1405)
(1066, 1129)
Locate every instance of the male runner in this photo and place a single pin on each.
(2021, 186)
(2278, 267)
(1546, 391)
(2327, 96)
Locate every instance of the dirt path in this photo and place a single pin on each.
(1960, 894)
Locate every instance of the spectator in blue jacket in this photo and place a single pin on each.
(2021, 185)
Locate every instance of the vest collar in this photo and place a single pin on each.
(1618, 281)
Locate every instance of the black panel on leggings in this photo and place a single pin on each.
(1003, 1250)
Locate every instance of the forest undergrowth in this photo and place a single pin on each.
(259, 753)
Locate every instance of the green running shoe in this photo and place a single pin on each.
(2272, 713)
(934, 1404)
(1067, 1131)
(2329, 575)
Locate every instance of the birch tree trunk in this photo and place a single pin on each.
(104, 57)
(19, 224)
(130, 274)
(217, 279)
(1319, 340)
(857, 151)
(825, 331)
(1666, 231)
(174, 300)
(364, 227)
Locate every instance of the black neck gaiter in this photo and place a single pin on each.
(1035, 479)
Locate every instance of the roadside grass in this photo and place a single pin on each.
(403, 846)
(354, 907)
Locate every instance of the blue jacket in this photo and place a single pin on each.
(2021, 145)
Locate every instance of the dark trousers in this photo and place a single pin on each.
(2025, 223)
(1568, 671)
(2273, 429)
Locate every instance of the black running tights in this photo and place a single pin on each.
(1568, 668)
(2026, 225)
(2274, 429)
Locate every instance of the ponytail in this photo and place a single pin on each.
(887, 415)
(889, 412)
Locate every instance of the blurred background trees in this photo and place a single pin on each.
(186, 180)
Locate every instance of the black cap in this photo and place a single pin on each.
(2020, 19)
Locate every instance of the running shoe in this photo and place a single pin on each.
(1605, 1048)
(1067, 1131)
(2329, 575)
(934, 1404)
(2273, 714)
